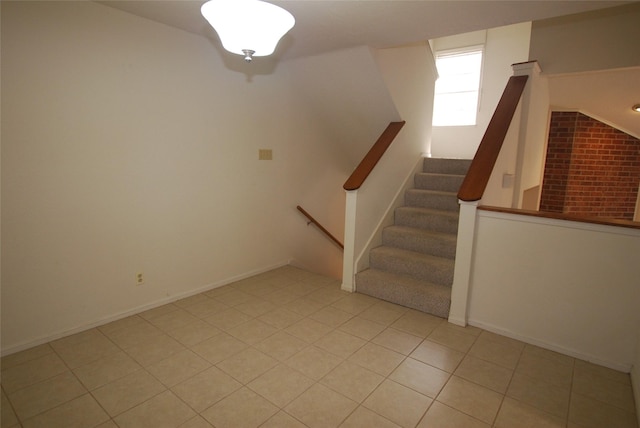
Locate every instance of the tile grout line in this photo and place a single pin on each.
(252, 346)
(55, 351)
(504, 396)
(333, 328)
(11, 404)
(91, 392)
(451, 375)
(573, 374)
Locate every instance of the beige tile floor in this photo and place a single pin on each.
(287, 348)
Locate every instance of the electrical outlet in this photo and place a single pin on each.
(139, 278)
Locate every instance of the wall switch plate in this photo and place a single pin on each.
(265, 154)
(507, 181)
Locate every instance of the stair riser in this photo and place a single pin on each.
(435, 246)
(418, 198)
(446, 166)
(438, 273)
(447, 183)
(438, 223)
(405, 296)
(414, 266)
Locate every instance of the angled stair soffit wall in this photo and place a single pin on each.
(345, 89)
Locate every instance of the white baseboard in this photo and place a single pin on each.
(625, 368)
(133, 311)
(457, 321)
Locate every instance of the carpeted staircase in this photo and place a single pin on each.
(414, 265)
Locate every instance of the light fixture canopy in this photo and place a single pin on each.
(248, 27)
(636, 108)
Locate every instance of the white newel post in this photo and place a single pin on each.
(349, 256)
(464, 257)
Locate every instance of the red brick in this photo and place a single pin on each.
(598, 173)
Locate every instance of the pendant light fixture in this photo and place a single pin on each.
(248, 27)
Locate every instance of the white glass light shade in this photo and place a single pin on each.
(248, 25)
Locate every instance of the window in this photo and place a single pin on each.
(457, 87)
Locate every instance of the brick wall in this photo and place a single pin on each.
(591, 169)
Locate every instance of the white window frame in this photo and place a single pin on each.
(467, 115)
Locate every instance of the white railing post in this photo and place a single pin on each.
(464, 257)
(349, 257)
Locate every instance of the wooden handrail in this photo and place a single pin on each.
(314, 221)
(372, 157)
(477, 177)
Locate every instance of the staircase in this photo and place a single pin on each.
(414, 266)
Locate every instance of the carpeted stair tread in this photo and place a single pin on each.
(425, 267)
(420, 240)
(427, 218)
(436, 181)
(436, 199)
(414, 266)
(446, 166)
(420, 295)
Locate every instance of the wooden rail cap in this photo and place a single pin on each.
(370, 160)
(477, 177)
(564, 216)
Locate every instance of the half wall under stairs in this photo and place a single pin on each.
(414, 266)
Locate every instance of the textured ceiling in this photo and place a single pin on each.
(325, 25)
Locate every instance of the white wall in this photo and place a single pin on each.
(609, 98)
(598, 40)
(567, 286)
(128, 146)
(532, 139)
(589, 63)
(345, 89)
(499, 193)
(0, 186)
(409, 74)
(504, 47)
